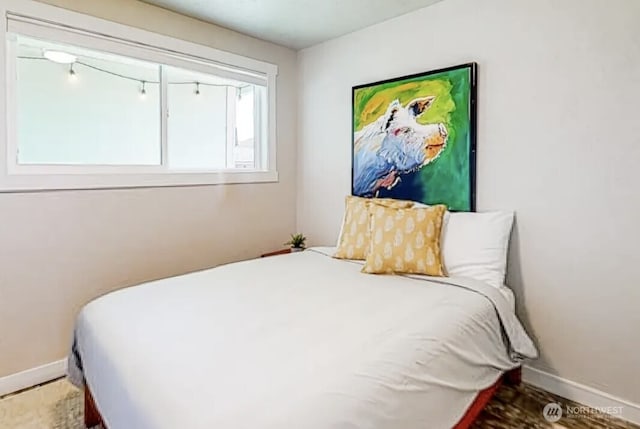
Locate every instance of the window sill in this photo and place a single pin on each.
(36, 182)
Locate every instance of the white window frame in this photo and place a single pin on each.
(42, 21)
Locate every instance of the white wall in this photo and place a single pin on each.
(558, 142)
(59, 250)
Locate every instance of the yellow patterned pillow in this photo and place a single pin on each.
(353, 242)
(405, 241)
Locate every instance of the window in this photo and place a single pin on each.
(86, 110)
(211, 121)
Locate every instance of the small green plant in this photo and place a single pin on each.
(297, 241)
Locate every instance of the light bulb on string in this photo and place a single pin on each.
(198, 88)
(72, 74)
(143, 91)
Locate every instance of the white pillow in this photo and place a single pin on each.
(475, 245)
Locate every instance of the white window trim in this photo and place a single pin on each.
(16, 178)
(231, 125)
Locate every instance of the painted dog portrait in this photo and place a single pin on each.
(413, 138)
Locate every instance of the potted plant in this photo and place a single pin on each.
(296, 242)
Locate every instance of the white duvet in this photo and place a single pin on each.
(295, 341)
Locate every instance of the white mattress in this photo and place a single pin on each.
(295, 341)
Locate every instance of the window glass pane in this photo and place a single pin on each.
(87, 111)
(211, 121)
(197, 126)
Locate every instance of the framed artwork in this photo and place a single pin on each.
(414, 138)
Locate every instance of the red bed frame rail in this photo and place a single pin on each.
(513, 378)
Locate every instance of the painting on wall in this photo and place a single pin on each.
(414, 138)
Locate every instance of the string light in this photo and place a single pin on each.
(72, 74)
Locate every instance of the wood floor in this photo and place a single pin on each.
(521, 407)
(58, 405)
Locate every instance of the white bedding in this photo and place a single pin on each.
(295, 341)
(504, 290)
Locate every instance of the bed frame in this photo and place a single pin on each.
(512, 378)
(93, 418)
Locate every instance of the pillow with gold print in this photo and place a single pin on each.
(405, 241)
(353, 242)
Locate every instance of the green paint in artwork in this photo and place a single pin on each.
(445, 180)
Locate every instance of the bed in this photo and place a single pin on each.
(301, 340)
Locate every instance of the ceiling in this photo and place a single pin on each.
(293, 23)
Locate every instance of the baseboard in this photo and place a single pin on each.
(31, 377)
(580, 393)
